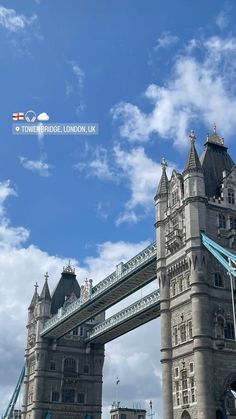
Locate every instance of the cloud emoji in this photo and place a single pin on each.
(43, 117)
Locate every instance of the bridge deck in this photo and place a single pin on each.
(128, 278)
(133, 316)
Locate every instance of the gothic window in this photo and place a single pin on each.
(175, 336)
(86, 369)
(229, 331)
(180, 284)
(183, 336)
(177, 399)
(231, 199)
(190, 330)
(185, 415)
(52, 365)
(55, 396)
(123, 416)
(176, 372)
(232, 223)
(191, 368)
(174, 197)
(219, 280)
(185, 397)
(177, 386)
(75, 331)
(173, 288)
(69, 365)
(192, 395)
(80, 398)
(184, 380)
(222, 221)
(192, 382)
(68, 396)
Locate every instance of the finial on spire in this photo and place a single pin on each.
(214, 128)
(46, 276)
(192, 136)
(164, 163)
(68, 268)
(36, 286)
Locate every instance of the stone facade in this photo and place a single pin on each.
(198, 350)
(63, 378)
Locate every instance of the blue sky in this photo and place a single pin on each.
(147, 73)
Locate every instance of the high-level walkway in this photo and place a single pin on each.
(131, 317)
(128, 278)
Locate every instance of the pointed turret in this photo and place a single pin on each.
(215, 161)
(66, 286)
(194, 185)
(34, 298)
(193, 163)
(45, 294)
(162, 189)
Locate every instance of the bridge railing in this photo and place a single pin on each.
(125, 314)
(121, 270)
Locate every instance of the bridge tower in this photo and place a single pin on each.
(63, 378)
(198, 351)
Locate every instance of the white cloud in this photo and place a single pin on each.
(37, 166)
(142, 175)
(43, 117)
(197, 89)
(109, 255)
(79, 73)
(14, 22)
(222, 20)
(166, 40)
(98, 165)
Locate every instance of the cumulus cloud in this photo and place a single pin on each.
(198, 88)
(37, 166)
(14, 22)
(142, 175)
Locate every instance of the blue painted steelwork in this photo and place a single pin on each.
(9, 412)
(217, 251)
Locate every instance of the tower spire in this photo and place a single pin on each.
(193, 163)
(45, 294)
(35, 297)
(163, 184)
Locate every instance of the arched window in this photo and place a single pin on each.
(229, 331)
(222, 221)
(219, 280)
(55, 396)
(69, 365)
(68, 396)
(185, 415)
(231, 199)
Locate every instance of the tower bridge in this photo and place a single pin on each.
(194, 250)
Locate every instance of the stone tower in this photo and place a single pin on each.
(198, 351)
(63, 378)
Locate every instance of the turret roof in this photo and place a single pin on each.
(45, 294)
(163, 184)
(215, 159)
(193, 162)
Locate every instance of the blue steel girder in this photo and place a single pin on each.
(131, 317)
(221, 254)
(11, 406)
(128, 278)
